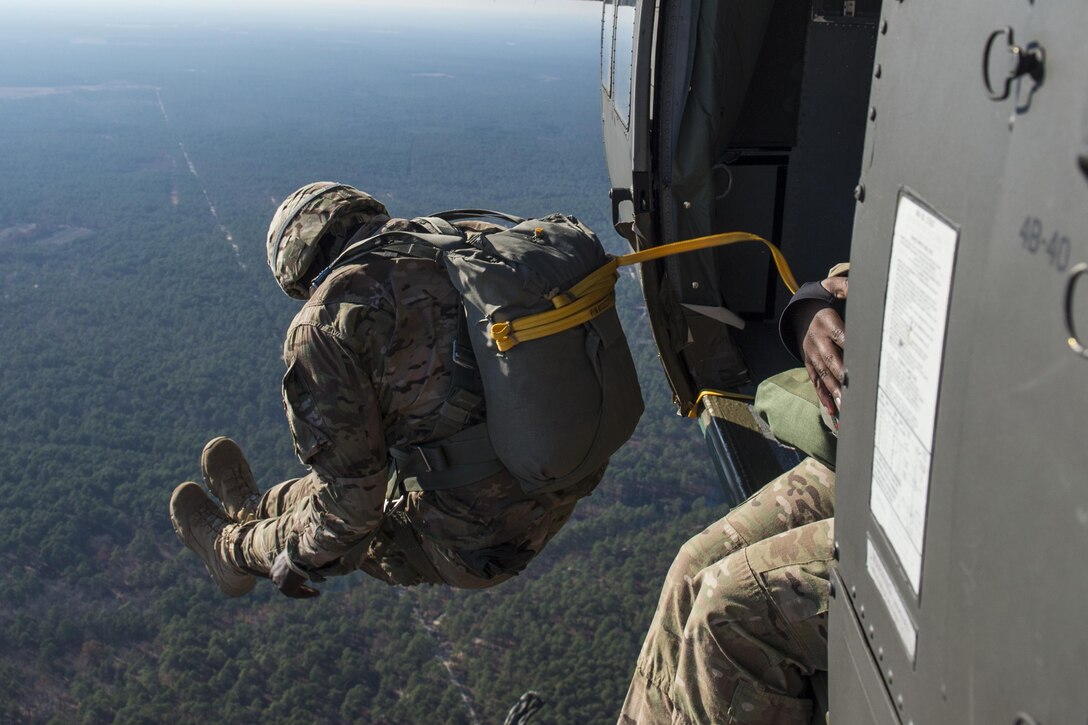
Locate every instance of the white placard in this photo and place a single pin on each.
(911, 353)
(896, 606)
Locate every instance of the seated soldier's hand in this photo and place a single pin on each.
(289, 579)
(822, 346)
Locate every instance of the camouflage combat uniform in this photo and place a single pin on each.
(742, 618)
(369, 361)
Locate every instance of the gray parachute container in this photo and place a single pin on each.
(559, 406)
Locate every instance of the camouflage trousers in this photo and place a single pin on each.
(742, 618)
(469, 537)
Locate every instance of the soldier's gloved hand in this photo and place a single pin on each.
(822, 345)
(290, 579)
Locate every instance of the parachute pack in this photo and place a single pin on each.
(559, 383)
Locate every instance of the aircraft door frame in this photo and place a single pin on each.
(628, 57)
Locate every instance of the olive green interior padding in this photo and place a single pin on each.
(788, 403)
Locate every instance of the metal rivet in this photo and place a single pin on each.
(889, 676)
(835, 551)
(879, 71)
(872, 113)
(861, 611)
(883, 27)
(695, 285)
(687, 204)
(872, 631)
(853, 591)
(859, 192)
(880, 653)
(899, 698)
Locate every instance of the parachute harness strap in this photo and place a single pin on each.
(597, 291)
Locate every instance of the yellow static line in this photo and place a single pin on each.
(596, 292)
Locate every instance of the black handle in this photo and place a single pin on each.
(1070, 288)
(1026, 61)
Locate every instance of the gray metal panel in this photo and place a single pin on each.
(853, 673)
(1000, 612)
(1019, 581)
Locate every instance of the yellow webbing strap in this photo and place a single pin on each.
(739, 397)
(597, 291)
(730, 407)
(715, 240)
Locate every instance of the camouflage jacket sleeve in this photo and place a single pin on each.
(336, 423)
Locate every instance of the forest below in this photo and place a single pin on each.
(138, 171)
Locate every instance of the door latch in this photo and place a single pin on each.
(1028, 60)
(1073, 341)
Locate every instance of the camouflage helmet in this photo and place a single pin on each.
(303, 219)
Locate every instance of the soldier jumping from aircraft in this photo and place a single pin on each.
(370, 372)
(741, 622)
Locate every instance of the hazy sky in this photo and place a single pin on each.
(117, 19)
(45, 9)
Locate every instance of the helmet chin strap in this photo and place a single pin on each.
(366, 230)
(324, 259)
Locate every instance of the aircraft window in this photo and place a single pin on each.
(623, 59)
(608, 27)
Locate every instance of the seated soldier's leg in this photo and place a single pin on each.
(756, 631)
(800, 496)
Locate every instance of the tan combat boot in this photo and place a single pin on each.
(227, 475)
(200, 525)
